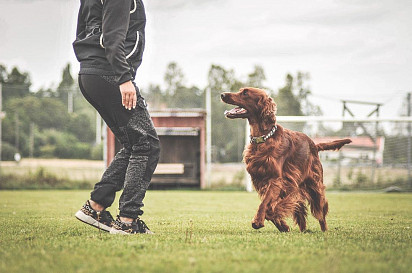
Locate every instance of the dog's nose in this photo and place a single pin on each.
(222, 96)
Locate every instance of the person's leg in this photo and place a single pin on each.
(145, 152)
(134, 165)
(101, 94)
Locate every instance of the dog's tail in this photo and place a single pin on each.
(333, 145)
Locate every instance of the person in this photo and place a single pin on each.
(109, 44)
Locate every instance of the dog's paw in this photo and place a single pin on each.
(257, 225)
(283, 228)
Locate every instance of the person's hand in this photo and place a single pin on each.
(129, 97)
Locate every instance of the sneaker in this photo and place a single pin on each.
(137, 226)
(102, 220)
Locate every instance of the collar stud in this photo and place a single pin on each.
(262, 139)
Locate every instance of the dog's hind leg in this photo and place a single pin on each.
(299, 215)
(281, 225)
(322, 222)
(315, 194)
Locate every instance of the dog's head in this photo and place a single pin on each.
(253, 104)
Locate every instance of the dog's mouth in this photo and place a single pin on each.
(237, 112)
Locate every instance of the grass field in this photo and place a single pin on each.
(205, 232)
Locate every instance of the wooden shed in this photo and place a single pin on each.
(182, 134)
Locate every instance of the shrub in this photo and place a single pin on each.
(7, 151)
(97, 152)
(63, 145)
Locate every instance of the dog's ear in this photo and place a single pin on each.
(268, 110)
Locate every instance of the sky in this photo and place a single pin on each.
(352, 49)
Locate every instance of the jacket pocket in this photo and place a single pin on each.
(135, 46)
(134, 7)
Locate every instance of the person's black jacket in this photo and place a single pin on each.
(110, 37)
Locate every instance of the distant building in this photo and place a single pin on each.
(361, 148)
(182, 134)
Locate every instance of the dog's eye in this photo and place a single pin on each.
(245, 92)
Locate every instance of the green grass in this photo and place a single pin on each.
(205, 232)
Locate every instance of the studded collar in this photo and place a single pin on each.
(262, 139)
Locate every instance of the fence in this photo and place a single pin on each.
(378, 157)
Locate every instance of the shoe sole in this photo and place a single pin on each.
(116, 231)
(80, 215)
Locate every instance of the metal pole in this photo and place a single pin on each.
(31, 140)
(16, 132)
(409, 141)
(208, 137)
(98, 128)
(248, 179)
(375, 145)
(338, 182)
(70, 101)
(105, 159)
(1, 114)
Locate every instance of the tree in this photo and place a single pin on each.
(45, 113)
(177, 95)
(66, 86)
(3, 74)
(288, 103)
(173, 78)
(227, 136)
(154, 97)
(307, 107)
(22, 112)
(257, 77)
(293, 98)
(15, 83)
(188, 98)
(82, 126)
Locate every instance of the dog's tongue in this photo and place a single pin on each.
(236, 111)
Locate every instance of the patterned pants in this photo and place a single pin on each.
(133, 166)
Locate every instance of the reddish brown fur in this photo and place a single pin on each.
(285, 170)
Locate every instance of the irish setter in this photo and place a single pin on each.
(284, 164)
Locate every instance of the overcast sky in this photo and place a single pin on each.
(353, 49)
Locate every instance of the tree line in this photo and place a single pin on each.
(38, 124)
(58, 122)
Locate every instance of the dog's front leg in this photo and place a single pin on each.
(270, 195)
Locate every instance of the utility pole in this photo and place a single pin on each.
(1, 113)
(70, 100)
(16, 132)
(208, 137)
(31, 140)
(248, 179)
(98, 128)
(105, 145)
(409, 140)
